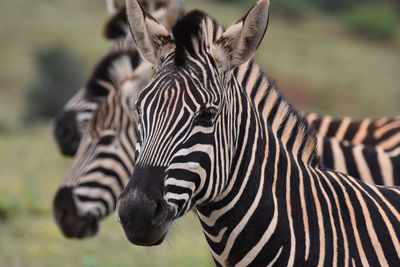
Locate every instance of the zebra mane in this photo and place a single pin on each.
(194, 31)
(274, 107)
(113, 69)
(117, 25)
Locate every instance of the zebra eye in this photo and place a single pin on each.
(106, 139)
(206, 117)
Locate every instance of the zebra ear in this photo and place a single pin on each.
(152, 40)
(241, 40)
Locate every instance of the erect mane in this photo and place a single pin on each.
(306, 141)
(274, 107)
(117, 25)
(112, 69)
(192, 32)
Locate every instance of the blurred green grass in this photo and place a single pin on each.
(31, 169)
(317, 63)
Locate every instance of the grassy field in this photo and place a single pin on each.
(31, 169)
(319, 66)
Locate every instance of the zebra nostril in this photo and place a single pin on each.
(66, 132)
(160, 213)
(65, 125)
(63, 132)
(63, 203)
(66, 129)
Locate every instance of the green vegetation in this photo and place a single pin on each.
(59, 73)
(317, 63)
(74, 25)
(372, 20)
(294, 10)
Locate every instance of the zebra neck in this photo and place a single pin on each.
(255, 192)
(273, 142)
(277, 113)
(279, 209)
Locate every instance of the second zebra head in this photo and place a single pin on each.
(106, 129)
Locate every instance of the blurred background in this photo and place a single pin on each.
(340, 58)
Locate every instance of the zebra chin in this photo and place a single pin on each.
(71, 224)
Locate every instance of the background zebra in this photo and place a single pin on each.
(72, 122)
(246, 162)
(85, 198)
(105, 158)
(362, 148)
(383, 132)
(371, 164)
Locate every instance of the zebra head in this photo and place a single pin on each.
(105, 158)
(73, 120)
(189, 116)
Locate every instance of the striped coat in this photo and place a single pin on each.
(244, 159)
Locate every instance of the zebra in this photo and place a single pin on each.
(383, 132)
(243, 158)
(361, 146)
(66, 204)
(65, 201)
(371, 164)
(73, 120)
(105, 155)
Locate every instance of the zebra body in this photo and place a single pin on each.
(383, 132)
(371, 164)
(246, 162)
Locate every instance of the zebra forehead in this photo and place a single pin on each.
(192, 33)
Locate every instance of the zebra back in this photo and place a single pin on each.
(383, 132)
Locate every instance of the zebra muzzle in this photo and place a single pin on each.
(71, 224)
(145, 221)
